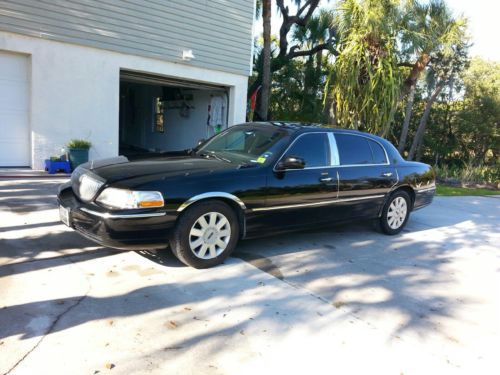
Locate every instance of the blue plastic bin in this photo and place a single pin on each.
(54, 166)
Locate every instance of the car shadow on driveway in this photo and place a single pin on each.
(345, 268)
(351, 270)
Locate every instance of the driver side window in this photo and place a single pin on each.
(313, 148)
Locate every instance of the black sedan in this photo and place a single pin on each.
(250, 180)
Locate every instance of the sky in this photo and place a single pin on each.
(483, 17)
(484, 25)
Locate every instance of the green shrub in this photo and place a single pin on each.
(79, 143)
(469, 174)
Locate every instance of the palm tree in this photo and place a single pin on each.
(444, 68)
(317, 31)
(428, 28)
(266, 60)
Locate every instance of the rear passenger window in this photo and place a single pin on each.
(313, 148)
(355, 149)
(377, 152)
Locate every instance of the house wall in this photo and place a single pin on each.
(74, 92)
(218, 31)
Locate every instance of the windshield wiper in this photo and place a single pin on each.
(215, 156)
(247, 165)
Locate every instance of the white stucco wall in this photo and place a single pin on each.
(74, 92)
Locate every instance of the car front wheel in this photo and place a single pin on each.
(205, 235)
(395, 213)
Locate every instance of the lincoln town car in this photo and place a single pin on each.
(250, 180)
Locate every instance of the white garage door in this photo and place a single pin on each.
(14, 105)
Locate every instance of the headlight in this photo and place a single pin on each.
(85, 184)
(124, 199)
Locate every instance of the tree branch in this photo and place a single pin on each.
(313, 4)
(294, 53)
(406, 64)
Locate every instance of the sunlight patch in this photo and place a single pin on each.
(364, 295)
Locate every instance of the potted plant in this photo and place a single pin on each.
(78, 150)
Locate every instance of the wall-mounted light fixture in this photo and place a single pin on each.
(187, 55)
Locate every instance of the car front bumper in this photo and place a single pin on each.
(126, 230)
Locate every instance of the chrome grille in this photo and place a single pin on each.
(85, 184)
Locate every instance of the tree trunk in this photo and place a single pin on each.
(408, 85)
(319, 63)
(356, 124)
(420, 147)
(328, 111)
(415, 72)
(406, 123)
(266, 61)
(419, 136)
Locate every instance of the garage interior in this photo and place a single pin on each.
(161, 114)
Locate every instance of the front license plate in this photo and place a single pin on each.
(64, 215)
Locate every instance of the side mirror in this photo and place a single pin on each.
(291, 162)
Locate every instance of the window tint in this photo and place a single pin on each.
(313, 148)
(245, 143)
(377, 152)
(354, 149)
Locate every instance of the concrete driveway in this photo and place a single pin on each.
(338, 301)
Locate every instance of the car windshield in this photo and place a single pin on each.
(245, 144)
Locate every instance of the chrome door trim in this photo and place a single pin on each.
(108, 215)
(322, 203)
(338, 184)
(334, 151)
(212, 194)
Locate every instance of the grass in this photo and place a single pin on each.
(457, 191)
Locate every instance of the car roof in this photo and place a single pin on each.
(297, 128)
(302, 127)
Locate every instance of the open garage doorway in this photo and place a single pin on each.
(161, 114)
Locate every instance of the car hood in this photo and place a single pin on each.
(120, 168)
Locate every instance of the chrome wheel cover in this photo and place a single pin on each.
(209, 235)
(396, 214)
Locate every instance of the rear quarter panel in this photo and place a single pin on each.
(421, 178)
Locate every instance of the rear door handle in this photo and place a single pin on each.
(387, 174)
(326, 179)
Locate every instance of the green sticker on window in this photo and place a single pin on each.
(261, 160)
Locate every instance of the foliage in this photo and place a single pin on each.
(469, 173)
(287, 47)
(79, 144)
(393, 67)
(297, 91)
(365, 79)
(479, 120)
(463, 126)
(461, 191)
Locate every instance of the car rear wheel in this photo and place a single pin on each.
(205, 235)
(395, 213)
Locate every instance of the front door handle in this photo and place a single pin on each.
(387, 174)
(326, 179)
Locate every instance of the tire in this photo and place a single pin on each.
(202, 231)
(395, 213)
